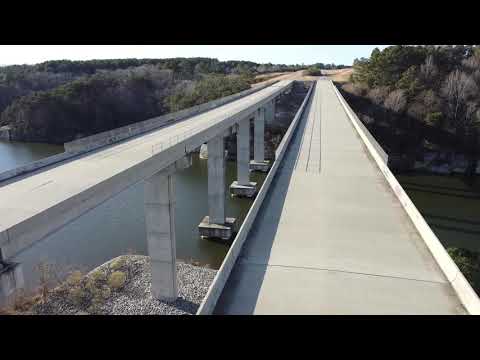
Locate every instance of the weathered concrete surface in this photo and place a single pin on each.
(243, 186)
(213, 230)
(262, 166)
(160, 201)
(331, 237)
(243, 152)
(216, 224)
(258, 163)
(160, 224)
(243, 190)
(36, 204)
(11, 280)
(259, 136)
(216, 180)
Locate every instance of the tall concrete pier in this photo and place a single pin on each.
(160, 223)
(243, 186)
(216, 225)
(270, 112)
(258, 163)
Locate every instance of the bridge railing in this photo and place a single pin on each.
(461, 286)
(178, 138)
(209, 302)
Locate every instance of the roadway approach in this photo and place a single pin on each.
(331, 236)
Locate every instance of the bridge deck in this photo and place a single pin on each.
(331, 237)
(35, 204)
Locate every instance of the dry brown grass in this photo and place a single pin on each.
(340, 76)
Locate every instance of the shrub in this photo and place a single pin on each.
(467, 261)
(117, 279)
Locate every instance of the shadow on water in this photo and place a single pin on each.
(472, 197)
(258, 246)
(449, 205)
(449, 218)
(439, 187)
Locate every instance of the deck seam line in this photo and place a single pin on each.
(246, 262)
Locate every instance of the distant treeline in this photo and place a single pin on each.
(316, 69)
(58, 101)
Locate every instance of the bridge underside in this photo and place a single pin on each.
(331, 237)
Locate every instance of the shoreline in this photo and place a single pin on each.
(120, 286)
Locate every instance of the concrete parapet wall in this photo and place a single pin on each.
(208, 304)
(354, 118)
(124, 132)
(81, 146)
(35, 165)
(465, 293)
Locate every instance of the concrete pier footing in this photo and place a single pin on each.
(160, 223)
(223, 231)
(262, 166)
(11, 280)
(216, 225)
(249, 190)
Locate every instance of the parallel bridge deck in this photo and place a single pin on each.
(38, 203)
(331, 237)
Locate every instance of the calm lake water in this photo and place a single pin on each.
(118, 226)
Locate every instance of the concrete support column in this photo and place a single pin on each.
(216, 224)
(160, 228)
(243, 152)
(160, 222)
(243, 186)
(259, 136)
(216, 180)
(270, 112)
(258, 163)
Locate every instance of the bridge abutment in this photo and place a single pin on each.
(216, 225)
(160, 223)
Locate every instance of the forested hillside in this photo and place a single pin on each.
(58, 101)
(418, 99)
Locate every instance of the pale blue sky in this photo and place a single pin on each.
(276, 54)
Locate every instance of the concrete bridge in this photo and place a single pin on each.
(330, 231)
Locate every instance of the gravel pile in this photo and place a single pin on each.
(122, 287)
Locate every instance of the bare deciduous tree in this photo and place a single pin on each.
(472, 63)
(396, 101)
(378, 95)
(428, 69)
(457, 89)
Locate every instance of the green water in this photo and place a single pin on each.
(449, 205)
